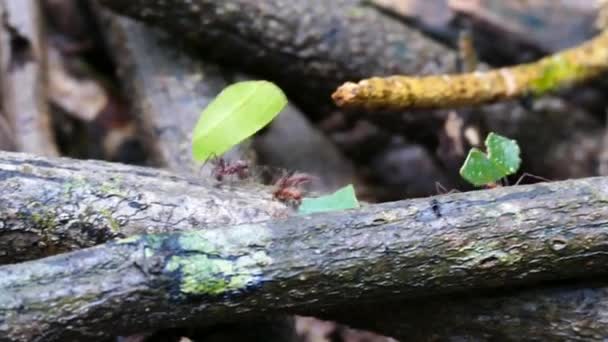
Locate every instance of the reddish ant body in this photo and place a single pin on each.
(287, 188)
(223, 169)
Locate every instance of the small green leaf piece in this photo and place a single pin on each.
(479, 170)
(342, 199)
(238, 112)
(503, 152)
(502, 160)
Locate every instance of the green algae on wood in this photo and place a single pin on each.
(202, 274)
(210, 262)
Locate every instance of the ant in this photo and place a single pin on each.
(287, 188)
(222, 169)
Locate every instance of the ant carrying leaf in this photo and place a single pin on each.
(502, 159)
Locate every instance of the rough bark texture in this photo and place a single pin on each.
(52, 206)
(410, 249)
(567, 313)
(22, 61)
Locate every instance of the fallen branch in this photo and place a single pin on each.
(410, 249)
(50, 206)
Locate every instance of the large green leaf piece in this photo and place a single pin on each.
(342, 199)
(238, 112)
(502, 160)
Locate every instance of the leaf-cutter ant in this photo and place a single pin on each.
(222, 168)
(288, 188)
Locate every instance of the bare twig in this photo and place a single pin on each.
(448, 91)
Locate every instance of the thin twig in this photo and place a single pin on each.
(571, 66)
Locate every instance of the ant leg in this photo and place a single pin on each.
(218, 166)
(526, 174)
(211, 160)
(441, 190)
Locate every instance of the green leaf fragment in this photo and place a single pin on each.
(479, 170)
(503, 152)
(342, 199)
(237, 113)
(503, 159)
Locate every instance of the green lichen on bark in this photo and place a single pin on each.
(212, 264)
(209, 262)
(206, 275)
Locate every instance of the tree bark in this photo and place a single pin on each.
(492, 239)
(564, 313)
(23, 65)
(50, 206)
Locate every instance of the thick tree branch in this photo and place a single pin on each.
(49, 206)
(410, 249)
